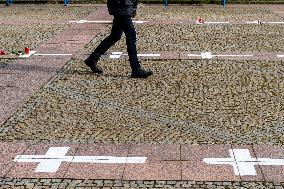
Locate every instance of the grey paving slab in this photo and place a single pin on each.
(8, 151)
(99, 170)
(273, 173)
(196, 169)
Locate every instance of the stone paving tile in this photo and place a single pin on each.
(8, 80)
(11, 98)
(98, 171)
(271, 173)
(195, 169)
(59, 39)
(50, 49)
(48, 63)
(27, 170)
(162, 163)
(156, 170)
(71, 48)
(158, 152)
(8, 152)
(83, 37)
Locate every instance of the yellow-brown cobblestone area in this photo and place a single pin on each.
(208, 101)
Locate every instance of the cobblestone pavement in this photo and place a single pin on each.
(44, 12)
(209, 12)
(185, 102)
(118, 184)
(179, 104)
(16, 33)
(220, 38)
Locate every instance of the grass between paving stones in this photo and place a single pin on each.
(185, 102)
(45, 12)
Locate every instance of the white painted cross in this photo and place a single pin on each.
(208, 55)
(242, 162)
(95, 21)
(116, 55)
(27, 55)
(216, 22)
(51, 161)
(103, 21)
(43, 54)
(255, 22)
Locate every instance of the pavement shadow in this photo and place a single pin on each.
(88, 72)
(28, 68)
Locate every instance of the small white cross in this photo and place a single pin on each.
(242, 162)
(209, 55)
(206, 55)
(27, 55)
(116, 55)
(51, 161)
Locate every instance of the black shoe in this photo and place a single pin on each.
(92, 63)
(141, 73)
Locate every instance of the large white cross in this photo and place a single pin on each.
(242, 162)
(51, 161)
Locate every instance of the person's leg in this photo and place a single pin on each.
(130, 34)
(114, 36)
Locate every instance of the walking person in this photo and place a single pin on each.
(123, 12)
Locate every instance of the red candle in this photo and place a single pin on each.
(27, 50)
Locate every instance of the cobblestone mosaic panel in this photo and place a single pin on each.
(6, 183)
(207, 12)
(219, 38)
(45, 12)
(15, 37)
(230, 101)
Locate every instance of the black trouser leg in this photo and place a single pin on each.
(130, 33)
(114, 36)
